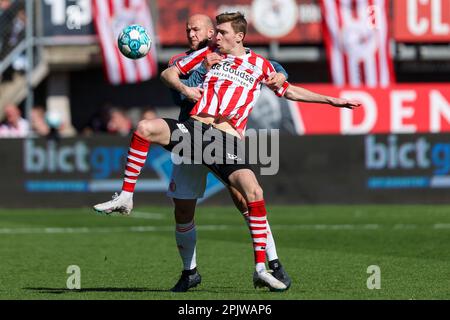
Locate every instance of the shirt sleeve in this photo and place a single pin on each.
(192, 61)
(175, 58)
(196, 78)
(279, 68)
(280, 92)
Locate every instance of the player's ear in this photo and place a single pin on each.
(211, 33)
(239, 36)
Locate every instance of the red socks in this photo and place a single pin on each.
(258, 229)
(137, 154)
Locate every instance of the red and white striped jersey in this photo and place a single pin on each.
(356, 36)
(232, 86)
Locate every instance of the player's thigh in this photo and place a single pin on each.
(157, 130)
(188, 181)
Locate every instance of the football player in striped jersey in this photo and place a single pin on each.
(188, 182)
(223, 105)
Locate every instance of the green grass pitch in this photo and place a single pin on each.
(325, 249)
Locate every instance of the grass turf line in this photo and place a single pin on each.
(325, 249)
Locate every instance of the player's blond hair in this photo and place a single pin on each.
(237, 19)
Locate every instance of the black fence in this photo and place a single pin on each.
(309, 170)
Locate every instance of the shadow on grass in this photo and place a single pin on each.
(106, 289)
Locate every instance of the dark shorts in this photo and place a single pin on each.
(199, 143)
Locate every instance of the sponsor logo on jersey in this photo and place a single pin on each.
(237, 75)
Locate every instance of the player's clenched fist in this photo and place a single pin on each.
(275, 81)
(211, 59)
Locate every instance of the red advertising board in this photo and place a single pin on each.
(422, 20)
(287, 21)
(403, 108)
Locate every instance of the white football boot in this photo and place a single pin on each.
(263, 278)
(122, 204)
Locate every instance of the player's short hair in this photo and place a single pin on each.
(237, 19)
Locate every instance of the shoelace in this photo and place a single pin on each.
(115, 196)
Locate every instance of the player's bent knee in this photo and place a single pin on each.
(156, 130)
(144, 128)
(184, 210)
(255, 194)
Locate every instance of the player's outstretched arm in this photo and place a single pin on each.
(171, 78)
(296, 93)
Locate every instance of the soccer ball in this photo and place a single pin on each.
(134, 42)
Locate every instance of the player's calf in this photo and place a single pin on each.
(148, 130)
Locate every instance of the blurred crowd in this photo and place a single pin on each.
(116, 120)
(13, 124)
(47, 123)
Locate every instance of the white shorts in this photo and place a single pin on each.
(188, 181)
